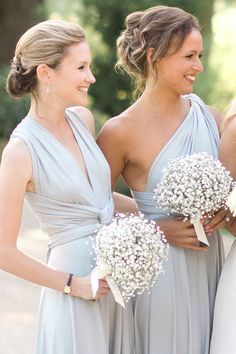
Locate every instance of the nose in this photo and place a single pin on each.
(198, 66)
(90, 77)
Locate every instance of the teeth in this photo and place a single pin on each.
(190, 77)
(83, 89)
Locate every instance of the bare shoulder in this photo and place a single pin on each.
(16, 157)
(217, 116)
(86, 117)
(117, 127)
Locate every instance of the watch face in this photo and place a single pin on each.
(67, 289)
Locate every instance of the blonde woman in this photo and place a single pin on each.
(53, 162)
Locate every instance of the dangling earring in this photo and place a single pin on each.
(48, 87)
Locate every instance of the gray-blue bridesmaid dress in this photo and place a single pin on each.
(176, 318)
(70, 207)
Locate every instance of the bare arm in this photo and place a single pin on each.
(15, 174)
(124, 204)
(112, 140)
(227, 151)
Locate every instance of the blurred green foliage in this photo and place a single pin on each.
(222, 57)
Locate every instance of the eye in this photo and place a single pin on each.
(81, 67)
(200, 55)
(189, 56)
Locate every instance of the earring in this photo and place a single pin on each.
(48, 87)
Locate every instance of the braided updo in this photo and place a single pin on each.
(44, 43)
(155, 28)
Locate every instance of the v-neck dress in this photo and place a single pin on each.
(70, 206)
(176, 318)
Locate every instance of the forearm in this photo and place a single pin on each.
(124, 204)
(26, 267)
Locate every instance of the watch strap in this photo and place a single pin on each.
(67, 288)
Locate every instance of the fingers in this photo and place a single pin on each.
(217, 221)
(103, 289)
(222, 219)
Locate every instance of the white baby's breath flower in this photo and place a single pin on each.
(231, 202)
(134, 250)
(194, 186)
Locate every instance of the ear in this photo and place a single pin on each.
(43, 73)
(150, 53)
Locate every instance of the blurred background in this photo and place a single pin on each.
(112, 93)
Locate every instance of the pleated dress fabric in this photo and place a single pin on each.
(70, 207)
(176, 318)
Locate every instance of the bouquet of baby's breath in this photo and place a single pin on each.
(231, 202)
(195, 186)
(129, 253)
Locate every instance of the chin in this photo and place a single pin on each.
(82, 103)
(187, 91)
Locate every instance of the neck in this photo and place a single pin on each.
(163, 102)
(46, 114)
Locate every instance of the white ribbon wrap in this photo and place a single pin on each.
(103, 271)
(200, 233)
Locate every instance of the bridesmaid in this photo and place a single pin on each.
(224, 324)
(53, 161)
(161, 49)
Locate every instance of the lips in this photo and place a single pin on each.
(191, 78)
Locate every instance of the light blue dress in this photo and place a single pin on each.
(70, 208)
(176, 318)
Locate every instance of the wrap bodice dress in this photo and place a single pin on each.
(70, 205)
(176, 318)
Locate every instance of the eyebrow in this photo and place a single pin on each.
(194, 51)
(84, 62)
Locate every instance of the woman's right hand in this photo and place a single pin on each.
(81, 287)
(180, 233)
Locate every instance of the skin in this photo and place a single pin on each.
(157, 114)
(227, 150)
(69, 86)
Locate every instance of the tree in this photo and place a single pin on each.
(15, 17)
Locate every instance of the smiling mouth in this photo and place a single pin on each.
(83, 89)
(191, 78)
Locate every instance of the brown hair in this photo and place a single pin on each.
(44, 43)
(157, 28)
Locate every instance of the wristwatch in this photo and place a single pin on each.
(67, 288)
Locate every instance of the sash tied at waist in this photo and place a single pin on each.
(65, 222)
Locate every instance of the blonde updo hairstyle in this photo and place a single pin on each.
(158, 28)
(44, 43)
